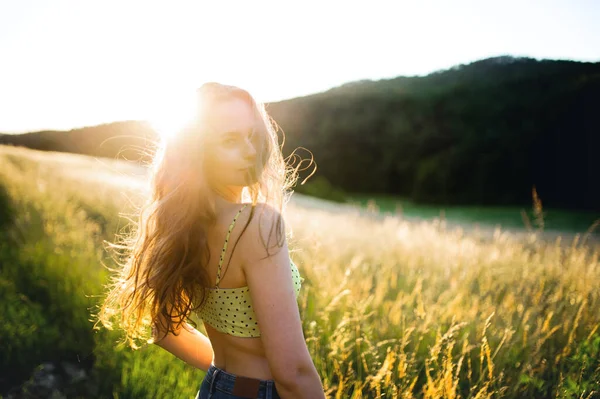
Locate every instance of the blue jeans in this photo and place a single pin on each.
(219, 384)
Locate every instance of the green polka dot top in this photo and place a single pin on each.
(229, 310)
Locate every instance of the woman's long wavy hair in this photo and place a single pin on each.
(163, 277)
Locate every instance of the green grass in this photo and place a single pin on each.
(51, 277)
(390, 309)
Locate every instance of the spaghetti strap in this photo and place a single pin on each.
(225, 245)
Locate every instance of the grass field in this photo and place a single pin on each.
(390, 308)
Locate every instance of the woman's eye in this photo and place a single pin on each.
(229, 141)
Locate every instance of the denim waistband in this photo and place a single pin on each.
(224, 382)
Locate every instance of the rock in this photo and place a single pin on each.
(55, 381)
(44, 380)
(57, 395)
(73, 372)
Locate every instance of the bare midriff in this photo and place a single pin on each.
(239, 355)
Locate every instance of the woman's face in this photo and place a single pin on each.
(232, 144)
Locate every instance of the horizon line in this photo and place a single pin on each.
(383, 78)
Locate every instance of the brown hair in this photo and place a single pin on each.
(163, 277)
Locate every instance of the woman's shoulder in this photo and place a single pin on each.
(260, 214)
(265, 231)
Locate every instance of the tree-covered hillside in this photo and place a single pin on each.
(482, 133)
(125, 140)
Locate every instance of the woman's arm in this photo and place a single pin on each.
(190, 345)
(269, 278)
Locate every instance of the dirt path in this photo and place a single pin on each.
(479, 230)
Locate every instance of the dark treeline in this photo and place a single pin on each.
(482, 133)
(131, 140)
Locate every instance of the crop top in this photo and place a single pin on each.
(229, 310)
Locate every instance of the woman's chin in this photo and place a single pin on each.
(248, 182)
(249, 178)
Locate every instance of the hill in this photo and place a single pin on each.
(483, 133)
(123, 139)
(479, 134)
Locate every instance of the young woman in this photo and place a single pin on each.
(219, 185)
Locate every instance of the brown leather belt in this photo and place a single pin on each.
(246, 387)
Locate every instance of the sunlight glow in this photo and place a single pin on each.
(101, 75)
(171, 112)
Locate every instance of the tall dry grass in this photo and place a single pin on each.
(391, 309)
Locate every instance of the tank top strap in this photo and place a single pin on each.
(225, 246)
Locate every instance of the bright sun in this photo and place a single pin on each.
(171, 112)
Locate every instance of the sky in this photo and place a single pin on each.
(71, 63)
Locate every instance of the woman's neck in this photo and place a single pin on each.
(229, 194)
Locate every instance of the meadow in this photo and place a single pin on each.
(391, 308)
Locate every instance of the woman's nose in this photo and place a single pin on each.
(250, 150)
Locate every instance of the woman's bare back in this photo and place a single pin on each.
(238, 355)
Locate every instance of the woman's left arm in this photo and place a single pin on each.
(190, 345)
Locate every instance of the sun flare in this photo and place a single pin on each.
(170, 114)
